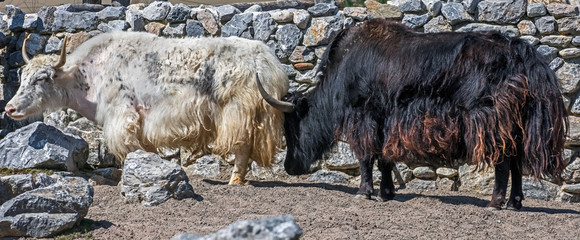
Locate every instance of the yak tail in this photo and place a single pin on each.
(544, 115)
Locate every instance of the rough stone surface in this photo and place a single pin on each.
(447, 172)
(288, 36)
(99, 156)
(301, 18)
(576, 41)
(226, 12)
(549, 53)
(157, 10)
(412, 6)
(112, 13)
(475, 27)
(556, 41)
(539, 189)
(357, 13)
(302, 54)
(323, 9)
(531, 40)
(209, 21)
(237, 25)
(569, 53)
(206, 166)
(571, 188)
(41, 146)
(569, 25)
(437, 24)
(280, 227)
(478, 181)
(546, 25)
(264, 26)
(115, 25)
(322, 29)
(569, 75)
(74, 21)
(324, 176)
(276, 172)
(455, 13)
(178, 13)
(174, 30)
(447, 184)
(574, 134)
(502, 12)
(135, 20)
(151, 180)
(46, 211)
(378, 10)
(194, 28)
(282, 16)
(560, 10)
(416, 21)
(424, 173)
(340, 157)
(421, 184)
(527, 27)
(536, 10)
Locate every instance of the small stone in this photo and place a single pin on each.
(536, 10)
(357, 13)
(416, 21)
(135, 20)
(434, 7)
(301, 18)
(576, 41)
(323, 176)
(322, 29)
(539, 189)
(209, 21)
(569, 53)
(556, 41)
(556, 63)
(569, 25)
(288, 36)
(282, 16)
(437, 24)
(323, 9)
(253, 9)
(206, 166)
(174, 30)
(531, 40)
(412, 6)
(264, 26)
(420, 184)
(546, 25)
(571, 188)
(226, 12)
(559, 10)
(178, 13)
(237, 25)
(447, 184)
(424, 173)
(303, 66)
(157, 11)
(378, 10)
(506, 29)
(481, 181)
(549, 53)
(444, 172)
(112, 26)
(155, 28)
(527, 27)
(301, 54)
(112, 13)
(194, 28)
(455, 13)
(569, 75)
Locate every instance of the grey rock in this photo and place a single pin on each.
(324, 176)
(45, 19)
(539, 189)
(178, 13)
(502, 12)
(556, 41)
(549, 53)
(559, 10)
(301, 18)
(570, 53)
(568, 197)
(470, 5)
(112, 26)
(416, 21)
(41, 146)
(58, 119)
(174, 30)
(14, 185)
(455, 13)
(424, 173)
(112, 13)
(79, 8)
(556, 63)
(437, 24)
(209, 21)
(206, 166)
(481, 181)
(194, 28)
(99, 155)
(571, 188)
(357, 13)
(46, 211)
(546, 25)
(302, 54)
(569, 75)
(157, 11)
(434, 7)
(276, 172)
(572, 168)
(536, 10)
(576, 41)
(412, 6)
(569, 25)
(253, 8)
(226, 12)
(264, 26)
(444, 172)
(110, 173)
(527, 27)
(35, 43)
(387, 11)
(151, 180)
(135, 20)
(323, 9)
(12, 11)
(74, 21)
(405, 172)
(280, 227)
(288, 36)
(277, 50)
(237, 25)
(474, 27)
(341, 157)
(282, 16)
(447, 184)
(22, 22)
(531, 40)
(322, 29)
(289, 70)
(421, 184)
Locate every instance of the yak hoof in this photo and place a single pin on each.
(238, 181)
(514, 206)
(362, 196)
(493, 208)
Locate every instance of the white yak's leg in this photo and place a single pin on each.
(242, 153)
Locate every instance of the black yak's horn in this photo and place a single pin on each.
(280, 105)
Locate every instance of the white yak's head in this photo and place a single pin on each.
(39, 90)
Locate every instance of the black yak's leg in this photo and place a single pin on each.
(387, 188)
(516, 195)
(502, 173)
(366, 178)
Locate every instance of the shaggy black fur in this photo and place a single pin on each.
(400, 96)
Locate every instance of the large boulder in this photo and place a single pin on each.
(41, 146)
(46, 211)
(151, 180)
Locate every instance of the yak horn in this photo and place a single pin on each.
(24, 54)
(62, 59)
(280, 105)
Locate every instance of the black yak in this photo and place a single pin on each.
(400, 96)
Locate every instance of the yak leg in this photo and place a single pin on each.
(366, 179)
(242, 153)
(387, 188)
(516, 194)
(502, 173)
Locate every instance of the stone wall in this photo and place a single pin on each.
(298, 33)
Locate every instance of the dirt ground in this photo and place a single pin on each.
(326, 211)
